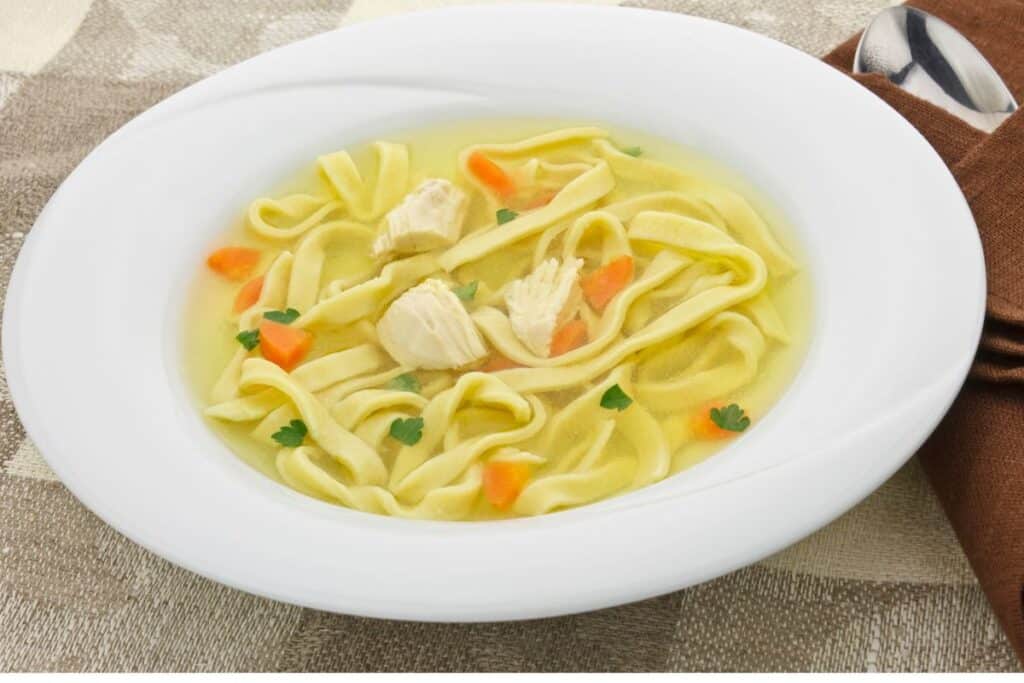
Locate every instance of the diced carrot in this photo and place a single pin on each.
(234, 263)
(543, 199)
(703, 427)
(283, 345)
(248, 294)
(504, 481)
(603, 284)
(570, 336)
(491, 175)
(498, 362)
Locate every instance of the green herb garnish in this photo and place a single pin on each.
(615, 398)
(286, 317)
(408, 431)
(292, 434)
(633, 151)
(730, 418)
(250, 339)
(505, 215)
(406, 382)
(466, 292)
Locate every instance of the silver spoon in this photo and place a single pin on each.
(929, 58)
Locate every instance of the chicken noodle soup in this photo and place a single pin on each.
(496, 319)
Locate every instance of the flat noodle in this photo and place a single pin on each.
(737, 215)
(475, 387)
(363, 202)
(363, 464)
(314, 376)
(369, 297)
(693, 325)
(665, 391)
(580, 193)
(299, 211)
(304, 286)
(453, 501)
(357, 407)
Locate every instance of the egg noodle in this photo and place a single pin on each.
(690, 328)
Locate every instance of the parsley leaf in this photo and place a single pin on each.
(406, 382)
(505, 215)
(284, 317)
(250, 339)
(291, 435)
(730, 418)
(466, 292)
(615, 398)
(633, 151)
(408, 431)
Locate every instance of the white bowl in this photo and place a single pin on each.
(94, 311)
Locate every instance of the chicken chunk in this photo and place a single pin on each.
(429, 217)
(543, 301)
(428, 327)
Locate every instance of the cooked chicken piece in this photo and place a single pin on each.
(428, 327)
(429, 217)
(543, 301)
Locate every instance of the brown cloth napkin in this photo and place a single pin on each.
(975, 459)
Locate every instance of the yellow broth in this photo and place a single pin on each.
(210, 344)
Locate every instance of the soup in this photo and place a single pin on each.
(495, 319)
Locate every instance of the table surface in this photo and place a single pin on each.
(885, 587)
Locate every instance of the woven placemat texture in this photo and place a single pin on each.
(884, 588)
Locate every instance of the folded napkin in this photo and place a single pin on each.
(975, 459)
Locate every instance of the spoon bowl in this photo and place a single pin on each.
(930, 59)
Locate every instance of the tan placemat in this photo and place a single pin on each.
(885, 587)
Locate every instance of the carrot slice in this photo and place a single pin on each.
(498, 362)
(543, 199)
(234, 263)
(570, 336)
(248, 294)
(491, 175)
(603, 284)
(504, 481)
(283, 345)
(704, 427)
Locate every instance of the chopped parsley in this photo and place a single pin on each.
(730, 418)
(633, 151)
(615, 398)
(406, 382)
(466, 292)
(291, 435)
(286, 317)
(408, 431)
(250, 339)
(505, 215)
